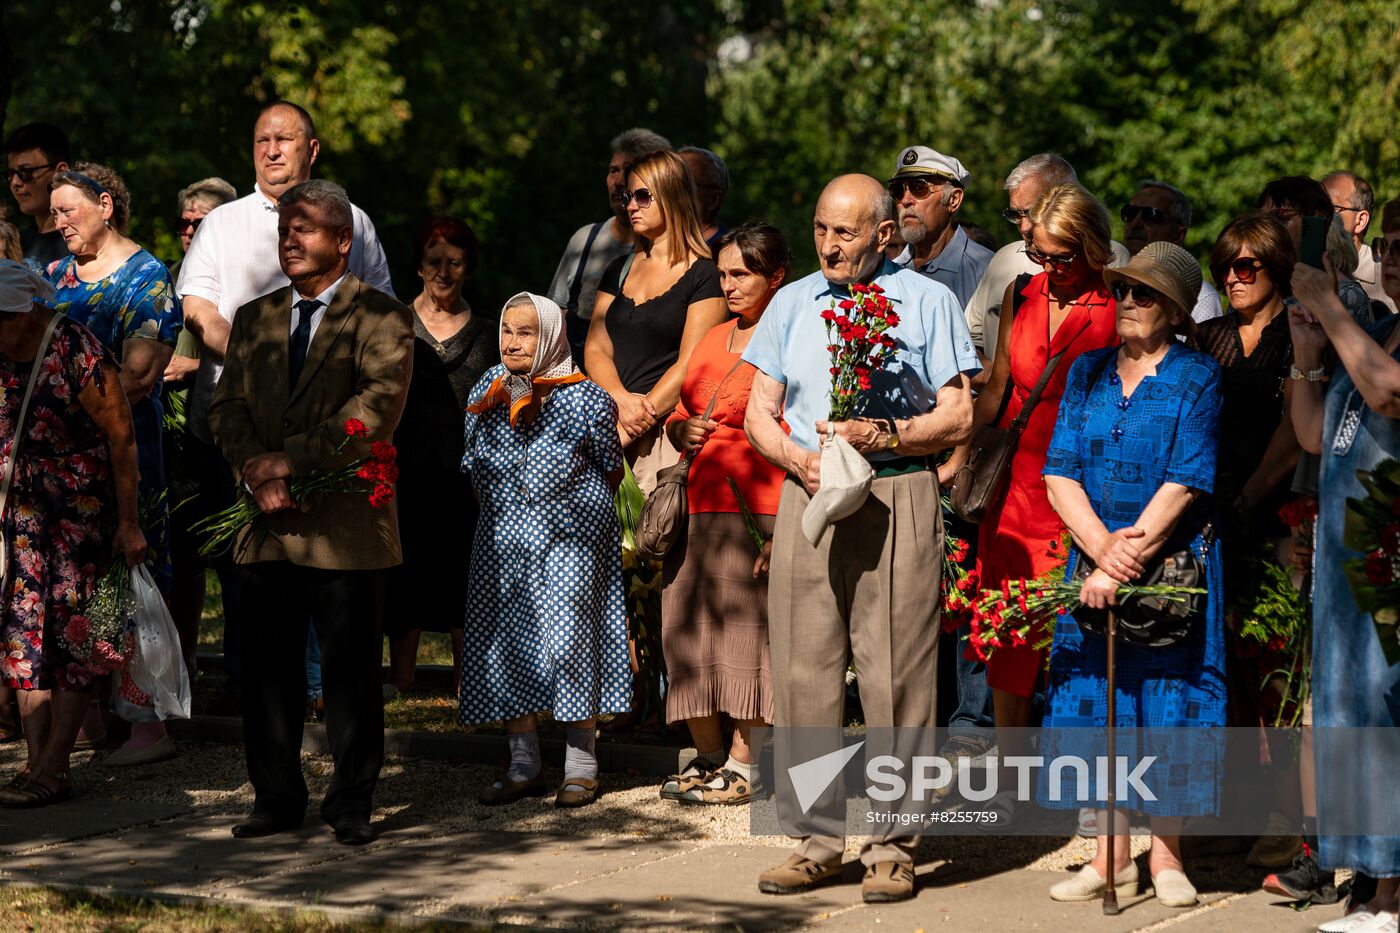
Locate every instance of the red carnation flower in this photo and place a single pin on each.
(1377, 569)
(354, 427)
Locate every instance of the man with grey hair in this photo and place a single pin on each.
(928, 188)
(1024, 186)
(1160, 212)
(303, 364)
(1354, 200)
(862, 590)
(711, 188)
(232, 260)
(594, 246)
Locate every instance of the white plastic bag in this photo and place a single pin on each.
(157, 663)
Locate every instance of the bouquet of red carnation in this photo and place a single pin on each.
(1373, 528)
(959, 584)
(859, 344)
(1023, 610)
(373, 475)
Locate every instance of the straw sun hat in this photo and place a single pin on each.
(1167, 269)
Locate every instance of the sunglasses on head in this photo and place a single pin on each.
(1045, 259)
(642, 196)
(1151, 215)
(1144, 296)
(182, 225)
(1014, 215)
(26, 173)
(1246, 269)
(920, 188)
(1284, 213)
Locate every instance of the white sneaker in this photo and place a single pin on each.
(1362, 921)
(1088, 822)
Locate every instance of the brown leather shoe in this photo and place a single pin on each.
(576, 798)
(796, 875)
(504, 790)
(887, 882)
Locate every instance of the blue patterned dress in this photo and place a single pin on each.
(1353, 686)
(546, 627)
(136, 301)
(1122, 450)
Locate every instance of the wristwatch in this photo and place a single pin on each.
(893, 442)
(1311, 375)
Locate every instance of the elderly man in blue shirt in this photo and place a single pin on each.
(928, 189)
(868, 590)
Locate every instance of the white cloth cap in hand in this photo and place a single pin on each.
(20, 288)
(845, 483)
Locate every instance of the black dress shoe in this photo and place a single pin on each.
(353, 831)
(258, 825)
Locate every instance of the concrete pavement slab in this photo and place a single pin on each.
(1256, 912)
(82, 817)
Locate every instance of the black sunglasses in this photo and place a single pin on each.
(1045, 259)
(1015, 216)
(642, 196)
(1382, 251)
(1246, 269)
(920, 188)
(1151, 215)
(182, 225)
(1144, 296)
(26, 173)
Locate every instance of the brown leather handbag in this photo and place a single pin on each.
(666, 511)
(984, 476)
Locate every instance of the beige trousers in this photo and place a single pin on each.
(869, 592)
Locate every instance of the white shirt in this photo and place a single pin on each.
(233, 260)
(325, 299)
(1368, 273)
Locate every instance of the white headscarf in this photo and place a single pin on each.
(553, 364)
(20, 287)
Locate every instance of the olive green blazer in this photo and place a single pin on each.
(358, 365)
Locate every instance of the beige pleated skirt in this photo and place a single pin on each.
(714, 622)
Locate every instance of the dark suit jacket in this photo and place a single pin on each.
(357, 366)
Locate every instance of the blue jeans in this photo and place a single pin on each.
(973, 714)
(313, 666)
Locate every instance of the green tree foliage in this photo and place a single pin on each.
(501, 113)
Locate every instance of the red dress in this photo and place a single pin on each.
(1015, 537)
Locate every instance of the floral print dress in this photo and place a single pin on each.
(59, 518)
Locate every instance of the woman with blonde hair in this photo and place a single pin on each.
(1053, 317)
(653, 307)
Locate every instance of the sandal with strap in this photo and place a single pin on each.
(691, 776)
(18, 781)
(732, 789)
(36, 794)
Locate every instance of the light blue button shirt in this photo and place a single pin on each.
(960, 266)
(789, 345)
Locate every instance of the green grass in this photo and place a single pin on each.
(44, 910)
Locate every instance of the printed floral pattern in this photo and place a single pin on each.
(57, 531)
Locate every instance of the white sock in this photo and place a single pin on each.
(579, 758)
(525, 760)
(738, 767)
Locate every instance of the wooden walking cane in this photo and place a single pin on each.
(1110, 891)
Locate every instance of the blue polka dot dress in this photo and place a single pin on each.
(546, 628)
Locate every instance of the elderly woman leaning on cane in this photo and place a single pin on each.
(545, 625)
(70, 448)
(1130, 468)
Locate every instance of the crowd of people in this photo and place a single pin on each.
(1158, 413)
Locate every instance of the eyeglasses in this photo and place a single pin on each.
(1144, 296)
(1246, 268)
(1015, 216)
(1151, 215)
(642, 196)
(1342, 209)
(26, 173)
(183, 225)
(1385, 251)
(1284, 213)
(1044, 259)
(920, 188)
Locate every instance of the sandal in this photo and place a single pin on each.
(692, 775)
(19, 780)
(36, 794)
(587, 793)
(731, 790)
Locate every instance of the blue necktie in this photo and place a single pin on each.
(301, 337)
